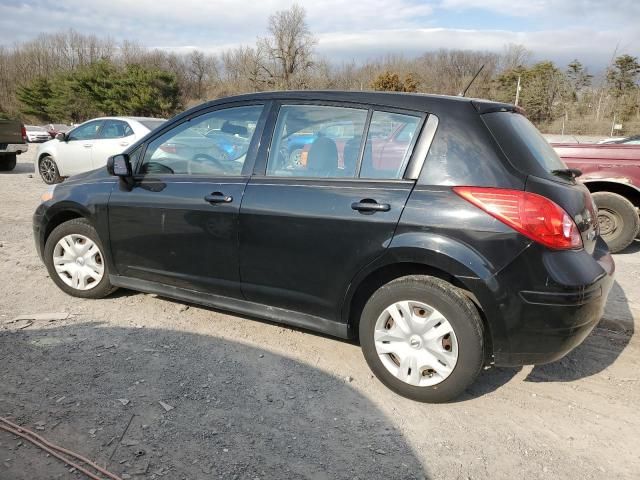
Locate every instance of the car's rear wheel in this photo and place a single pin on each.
(74, 257)
(8, 162)
(617, 218)
(423, 338)
(49, 170)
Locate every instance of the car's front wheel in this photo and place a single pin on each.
(423, 338)
(49, 170)
(74, 256)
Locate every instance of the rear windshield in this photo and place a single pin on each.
(523, 144)
(152, 124)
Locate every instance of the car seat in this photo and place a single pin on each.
(322, 160)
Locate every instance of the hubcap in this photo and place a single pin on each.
(78, 262)
(416, 343)
(608, 222)
(47, 169)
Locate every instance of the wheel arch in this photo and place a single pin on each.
(48, 153)
(415, 261)
(62, 215)
(626, 190)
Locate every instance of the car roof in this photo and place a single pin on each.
(137, 119)
(414, 101)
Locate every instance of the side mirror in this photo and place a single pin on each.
(119, 165)
(61, 136)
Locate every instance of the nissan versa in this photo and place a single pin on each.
(443, 233)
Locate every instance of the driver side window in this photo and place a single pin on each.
(213, 144)
(88, 131)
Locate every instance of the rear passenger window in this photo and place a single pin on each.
(316, 141)
(115, 129)
(388, 145)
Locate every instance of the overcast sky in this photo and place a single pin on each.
(348, 29)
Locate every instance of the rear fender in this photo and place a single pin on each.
(467, 267)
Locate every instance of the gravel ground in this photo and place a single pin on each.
(252, 399)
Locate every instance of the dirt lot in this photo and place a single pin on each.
(253, 399)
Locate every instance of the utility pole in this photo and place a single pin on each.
(518, 91)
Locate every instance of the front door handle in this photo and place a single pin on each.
(218, 197)
(369, 205)
(88, 145)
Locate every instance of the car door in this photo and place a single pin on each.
(114, 137)
(306, 230)
(75, 152)
(178, 224)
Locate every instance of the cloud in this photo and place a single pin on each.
(593, 47)
(346, 29)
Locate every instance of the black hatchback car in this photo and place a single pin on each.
(443, 233)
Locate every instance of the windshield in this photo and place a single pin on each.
(152, 124)
(523, 144)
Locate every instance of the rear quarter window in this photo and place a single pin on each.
(522, 143)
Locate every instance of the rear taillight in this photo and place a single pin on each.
(24, 134)
(533, 215)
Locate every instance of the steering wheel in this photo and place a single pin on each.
(202, 159)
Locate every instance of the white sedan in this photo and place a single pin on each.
(89, 145)
(36, 134)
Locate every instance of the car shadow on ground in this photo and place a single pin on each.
(599, 350)
(631, 249)
(21, 167)
(230, 410)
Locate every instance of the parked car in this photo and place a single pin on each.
(88, 145)
(472, 245)
(13, 142)
(631, 140)
(36, 134)
(611, 172)
(55, 128)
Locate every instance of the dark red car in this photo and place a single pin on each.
(611, 172)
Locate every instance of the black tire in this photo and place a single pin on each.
(618, 219)
(8, 162)
(83, 227)
(48, 170)
(456, 308)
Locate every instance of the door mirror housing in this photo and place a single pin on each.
(119, 165)
(61, 136)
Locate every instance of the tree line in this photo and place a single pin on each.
(70, 77)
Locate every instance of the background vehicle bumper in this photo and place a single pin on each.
(15, 148)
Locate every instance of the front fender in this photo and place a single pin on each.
(88, 200)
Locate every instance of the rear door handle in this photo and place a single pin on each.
(218, 197)
(88, 145)
(369, 205)
(124, 144)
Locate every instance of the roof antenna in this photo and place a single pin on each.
(464, 92)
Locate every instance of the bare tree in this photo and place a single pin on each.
(289, 48)
(201, 70)
(513, 56)
(242, 70)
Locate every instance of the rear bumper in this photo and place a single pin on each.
(546, 309)
(14, 148)
(551, 330)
